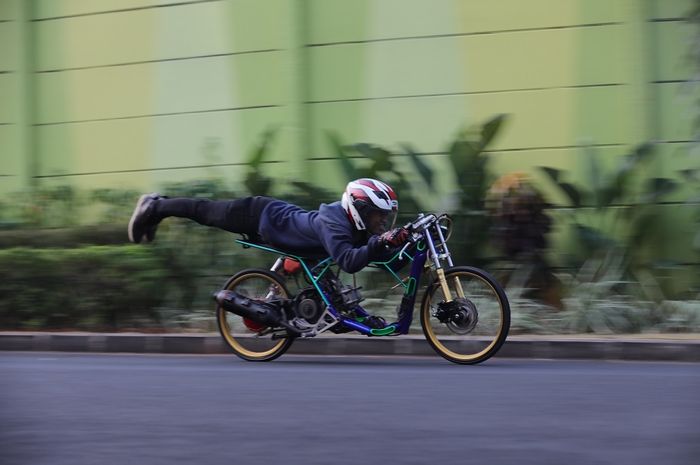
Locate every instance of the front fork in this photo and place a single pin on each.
(435, 256)
(445, 288)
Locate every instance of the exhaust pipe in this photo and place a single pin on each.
(259, 312)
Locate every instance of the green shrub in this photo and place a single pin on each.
(99, 287)
(680, 316)
(104, 234)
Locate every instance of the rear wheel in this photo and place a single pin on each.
(474, 326)
(248, 339)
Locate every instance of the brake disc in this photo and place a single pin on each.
(460, 315)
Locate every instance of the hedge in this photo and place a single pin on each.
(97, 287)
(108, 234)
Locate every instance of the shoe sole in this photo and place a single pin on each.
(140, 202)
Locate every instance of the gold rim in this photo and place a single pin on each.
(434, 338)
(227, 332)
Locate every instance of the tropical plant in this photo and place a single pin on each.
(470, 175)
(680, 316)
(302, 193)
(370, 161)
(528, 315)
(609, 211)
(519, 228)
(693, 56)
(692, 177)
(255, 181)
(519, 221)
(472, 178)
(599, 300)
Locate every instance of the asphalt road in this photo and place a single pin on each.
(163, 409)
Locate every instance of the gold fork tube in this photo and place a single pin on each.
(443, 283)
(458, 287)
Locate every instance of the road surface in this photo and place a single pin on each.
(96, 409)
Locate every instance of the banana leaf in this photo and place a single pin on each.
(618, 184)
(425, 172)
(491, 128)
(571, 192)
(259, 152)
(347, 165)
(381, 158)
(656, 188)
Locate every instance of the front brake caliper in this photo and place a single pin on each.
(446, 310)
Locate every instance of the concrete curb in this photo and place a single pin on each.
(657, 348)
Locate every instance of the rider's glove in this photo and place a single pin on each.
(394, 238)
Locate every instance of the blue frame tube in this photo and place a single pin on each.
(350, 323)
(409, 298)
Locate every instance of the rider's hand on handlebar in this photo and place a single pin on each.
(394, 238)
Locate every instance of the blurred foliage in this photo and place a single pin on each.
(472, 177)
(111, 288)
(692, 175)
(609, 210)
(212, 188)
(112, 205)
(469, 175)
(680, 316)
(299, 192)
(166, 284)
(46, 207)
(370, 161)
(599, 300)
(693, 55)
(528, 315)
(517, 208)
(519, 231)
(103, 234)
(256, 182)
(63, 206)
(83, 288)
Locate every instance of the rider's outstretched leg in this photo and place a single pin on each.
(236, 216)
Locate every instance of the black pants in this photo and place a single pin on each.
(240, 216)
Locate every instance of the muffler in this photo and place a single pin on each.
(260, 312)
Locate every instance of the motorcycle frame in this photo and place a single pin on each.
(425, 249)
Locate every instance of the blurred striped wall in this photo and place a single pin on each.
(134, 93)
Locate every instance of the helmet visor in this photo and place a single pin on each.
(378, 221)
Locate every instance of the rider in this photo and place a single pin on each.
(353, 231)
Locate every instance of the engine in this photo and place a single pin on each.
(308, 305)
(344, 298)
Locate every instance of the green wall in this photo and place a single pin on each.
(134, 93)
(127, 87)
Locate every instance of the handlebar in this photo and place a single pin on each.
(422, 223)
(417, 227)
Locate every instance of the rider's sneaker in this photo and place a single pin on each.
(142, 223)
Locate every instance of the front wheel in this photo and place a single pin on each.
(474, 325)
(249, 340)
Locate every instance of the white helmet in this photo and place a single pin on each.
(371, 205)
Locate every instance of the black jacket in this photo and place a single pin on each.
(322, 232)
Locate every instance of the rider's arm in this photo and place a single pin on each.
(350, 258)
(336, 235)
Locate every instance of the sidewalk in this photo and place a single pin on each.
(663, 347)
